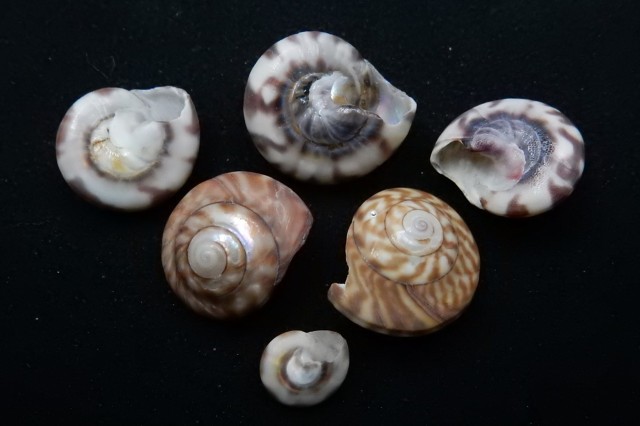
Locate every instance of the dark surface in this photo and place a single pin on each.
(92, 333)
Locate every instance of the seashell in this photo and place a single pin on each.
(413, 264)
(512, 157)
(301, 368)
(318, 111)
(127, 149)
(230, 240)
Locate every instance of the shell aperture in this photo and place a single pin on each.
(230, 241)
(512, 157)
(127, 149)
(413, 264)
(318, 111)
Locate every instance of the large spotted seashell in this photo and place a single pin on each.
(301, 368)
(320, 112)
(413, 264)
(128, 149)
(230, 241)
(512, 157)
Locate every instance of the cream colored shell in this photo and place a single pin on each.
(413, 264)
(301, 368)
(128, 149)
(230, 241)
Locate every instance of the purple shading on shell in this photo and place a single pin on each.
(512, 157)
(318, 111)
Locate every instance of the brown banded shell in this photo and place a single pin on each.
(230, 241)
(318, 111)
(301, 368)
(413, 264)
(128, 149)
(511, 157)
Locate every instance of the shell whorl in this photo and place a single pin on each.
(318, 111)
(512, 157)
(413, 264)
(301, 368)
(127, 149)
(230, 241)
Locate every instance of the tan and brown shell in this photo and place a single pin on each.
(413, 264)
(230, 241)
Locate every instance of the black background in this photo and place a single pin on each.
(92, 333)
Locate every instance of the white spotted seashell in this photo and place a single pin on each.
(127, 149)
(230, 241)
(318, 111)
(511, 157)
(301, 368)
(413, 264)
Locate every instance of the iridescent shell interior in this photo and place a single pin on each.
(230, 241)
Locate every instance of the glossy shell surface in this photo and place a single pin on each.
(230, 241)
(301, 368)
(413, 264)
(512, 157)
(318, 111)
(128, 150)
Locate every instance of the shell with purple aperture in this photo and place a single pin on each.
(511, 157)
(413, 264)
(230, 240)
(304, 369)
(318, 111)
(128, 150)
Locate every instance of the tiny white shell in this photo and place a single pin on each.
(511, 157)
(301, 368)
(127, 149)
(318, 111)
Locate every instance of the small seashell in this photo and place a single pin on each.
(128, 150)
(230, 241)
(318, 111)
(512, 157)
(301, 368)
(413, 264)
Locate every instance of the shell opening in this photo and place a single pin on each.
(302, 371)
(500, 154)
(129, 143)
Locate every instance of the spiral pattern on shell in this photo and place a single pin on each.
(230, 241)
(511, 157)
(413, 264)
(318, 111)
(128, 150)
